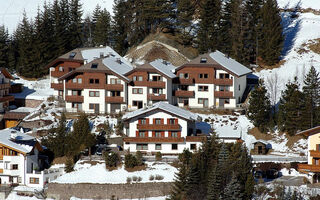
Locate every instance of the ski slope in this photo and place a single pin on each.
(11, 11)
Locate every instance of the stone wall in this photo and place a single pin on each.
(32, 103)
(108, 191)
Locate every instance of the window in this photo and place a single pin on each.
(156, 78)
(74, 80)
(137, 91)
(14, 167)
(60, 93)
(174, 146)
(157, 134)
(77, 105)
(200, 101)
(91, 106)
(94, 93)
(115, 93)
(174, 134)
(203, 75)
(158, 146)
(143, 121)
(134, 78)
(115, 81)
(61, 69)
(91, 81)
(142, 134)
(181, 75)
(72, 55)
(203, 60)
(157, 121)
(140, 78)
(156, 90)
(202, 88)
(74, 93)
(184, 75)
(221, 76)
(224, 88)
(94, 65)
(34, 180)
(79, 80)
(172, 121)
(227, 76)
(227, 101)
(96, 81)
(239, 87)
(193, 146)
(142, 146)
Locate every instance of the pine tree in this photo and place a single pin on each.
(232, 190)
(185, 12)
(259, 106)
(75, 27)
(69, 165)
(102, 30)
(270, 39)
(311, 93)
(193, 180)
(180, 183)
(290, 108)
(4, 46)
(119, 26)
(214, 184)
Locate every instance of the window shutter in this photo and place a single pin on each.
(147, 120)
(162, 134)
(137, 133)
(162, 121)
(153, 134)
(179, 134)
(168, 121)
(154, 121)
(176, 121)
(146, 134)
(169, 134)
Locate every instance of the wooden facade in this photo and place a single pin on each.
(260, 148)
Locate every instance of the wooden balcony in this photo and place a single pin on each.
(150, 84)
(315, 154)
(154, 97)
(186, 81)
(159, 127)
(76, 86)
(57, 86)
(115, 100)
(57, 73)
(196, 138)
(223, 94)
(114, 87)
(4, 86)
(7, 98)
(74, 99)
(308, 168)
(183, 93)
(225, 81)
(154, 139)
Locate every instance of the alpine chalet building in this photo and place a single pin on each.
(211, 80)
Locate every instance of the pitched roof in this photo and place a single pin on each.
(164, 107)
(230, 64)
(164, 67)
(16, 140)
(6, 73)
(310, 131)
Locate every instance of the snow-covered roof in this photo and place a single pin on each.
(230, 64)
(17, 140)
(228, 132)
(117, 65)
(165, 107)
(164, 67)
(261, 141)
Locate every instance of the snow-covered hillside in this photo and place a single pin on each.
(11, 11)
(314, 4)
(298, 32)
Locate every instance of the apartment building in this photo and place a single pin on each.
(313, 166)
(98, 86)
(150, 83)
(211, 80)
(5, 98)
(73, 60)
(163, 128)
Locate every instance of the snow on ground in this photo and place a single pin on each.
(11, 12)
(38, 90)
(87, 173)
(147, 198)
(98, 120)
(298, 31)
(314, 4)
(234, 125)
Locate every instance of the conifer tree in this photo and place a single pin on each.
(290, 108)
(180, 183)
(311, 93)
(102, 30)
(119, 26)
(232, 190)
(4, 46)
(270, 38)
(185, 12)
(192, 181)
(259, 106)
(75, 27)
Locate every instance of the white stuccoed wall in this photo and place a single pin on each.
(94, 100)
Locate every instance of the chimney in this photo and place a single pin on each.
(13, 135)
(119, 61)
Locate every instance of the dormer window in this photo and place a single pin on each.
(101, 55)
(72, 55)
(94, 65)
(203, 60)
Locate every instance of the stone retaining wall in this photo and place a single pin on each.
(108, 191)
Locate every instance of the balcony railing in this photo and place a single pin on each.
(114, 100)
(4, 86)
(114, 87)
(225, 81)
(183, 93)
(315, 154)
(74, 99)
(308, 168)
(155, 97)
(154, 139)
(150, 84)
(159, 127)
(78, 86)
(196, 138)
(57, 73)
(7, 98)
(57, 86)
(186, 81)
(225, 94)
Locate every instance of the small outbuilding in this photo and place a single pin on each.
(260, 148)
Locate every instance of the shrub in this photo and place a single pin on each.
(158, 156)
(151, 178)
(134, 178)
(112, 159)
(139, 158)
(159, 177)
(130, 161)
(69, 165)
(129, 179)
(139, 179)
